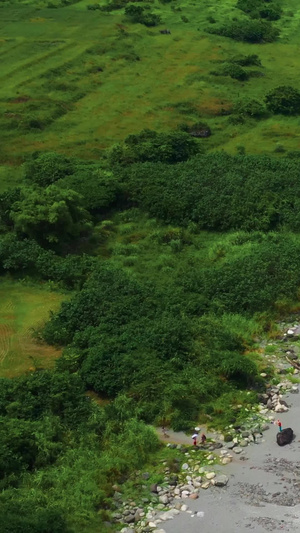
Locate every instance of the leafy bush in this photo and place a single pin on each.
(153, 146)
(98, 189)
(46, 168)
(260, 9)
(284, 99)
(219, 192)
(271, 12)
(246, 61)
(250, 31)
(233, 70)
(50, 215)
(252, 108)
(138, 14)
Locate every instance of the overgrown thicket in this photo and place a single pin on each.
(219, 192)
(56, 442)
(160, 324)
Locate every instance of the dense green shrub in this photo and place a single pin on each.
(50, 215)
(250, 31)
(257, 277)
(233, 70)
(260, 9)
(252, 108)
(48, 167)
(219, 192)
(98, 189)
(150, 145)
(271, 12)
(138, 14)
(246, 61)
(284, 99)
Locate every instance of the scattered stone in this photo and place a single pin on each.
(205, 485)
(184, 507)
(210, 475)
(164, 499)
(237, 449)
(220, 480)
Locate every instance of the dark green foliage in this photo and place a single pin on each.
(251, 108)
(15, 518)
(252, 281)
(284, 99)
(26, 257)
(233, 70)
(98, 189)
(246, 61)
(250, 31)
(260, 9)
(219, 192)
(153, 146)
(50, 215)
(139, 14)
(46, 168)
(271, 12)
(7, 199)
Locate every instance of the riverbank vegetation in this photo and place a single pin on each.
(149, 198)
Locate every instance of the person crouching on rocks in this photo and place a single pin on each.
(203, 438)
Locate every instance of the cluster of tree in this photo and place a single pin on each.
(248, 30)
(58, 448)
(119, 331)
(219, 192)
(150, 145)
(235, 67)
(264, 9)
(141, 15)
(156, 350)
(257, 27)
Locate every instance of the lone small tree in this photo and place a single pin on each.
(284, 99)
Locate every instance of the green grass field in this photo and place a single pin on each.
(76, 81)
(22, 309)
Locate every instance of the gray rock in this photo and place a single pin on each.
(220, 480)
(243, 443)
(129, 518)
(245, 434)
(237, 449)
(269, 404)
(230, 445)
(164, 499)
(153, 488)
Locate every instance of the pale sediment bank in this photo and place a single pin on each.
(263, 492)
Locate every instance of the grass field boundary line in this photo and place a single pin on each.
(40, 59)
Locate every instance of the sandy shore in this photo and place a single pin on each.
(263, 493)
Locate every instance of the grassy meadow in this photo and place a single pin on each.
(22, 309)
(76, 80)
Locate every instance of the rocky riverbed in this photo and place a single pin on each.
(248, 483)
